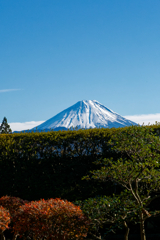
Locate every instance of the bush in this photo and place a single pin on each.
(50, 219)
(12, 203)
(4, 220)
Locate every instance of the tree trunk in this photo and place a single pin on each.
(95, 237)
(14, 237)
(142, 229)
(2, 236)
(127, 231)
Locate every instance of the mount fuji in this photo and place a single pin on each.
(84, 114)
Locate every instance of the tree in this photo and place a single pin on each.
(50, 219)
(136, 170)
(5, 127)
(107, 214)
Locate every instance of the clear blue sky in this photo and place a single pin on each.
(54, 53)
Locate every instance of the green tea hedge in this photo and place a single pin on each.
(51, 165)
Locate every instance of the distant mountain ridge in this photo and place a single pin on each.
(83, 115)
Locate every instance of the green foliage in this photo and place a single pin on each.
(109, 213)
(57, 161)
(5, 127)
(139, 162)
(136, 170)
(101, 212)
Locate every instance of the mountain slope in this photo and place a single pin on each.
(85, 114)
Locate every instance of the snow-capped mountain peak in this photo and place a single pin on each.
(85, 114)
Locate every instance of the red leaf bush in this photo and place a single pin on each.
(4, 219)
(50, 219)
(12, 203)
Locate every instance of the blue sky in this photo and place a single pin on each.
(54, 53)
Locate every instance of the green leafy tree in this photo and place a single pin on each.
(136, 170)
(107, 214)
(5, 127)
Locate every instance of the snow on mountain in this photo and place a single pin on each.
(85, 114)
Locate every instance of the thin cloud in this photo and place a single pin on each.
(8, 90)
(18, 126)
(144, 118)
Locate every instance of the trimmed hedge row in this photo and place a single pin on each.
(51, 165)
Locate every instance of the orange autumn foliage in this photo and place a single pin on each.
(50, 219)
(4, 219)
(12, 203)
